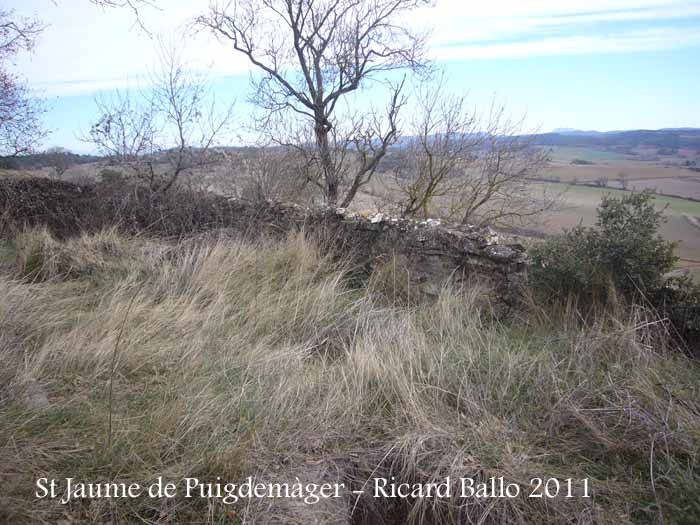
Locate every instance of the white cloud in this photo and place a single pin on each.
(87, 48)
(512, 28)
(632, 41)
(527, 13)
(81, 87)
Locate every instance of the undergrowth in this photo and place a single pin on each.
(264, 359)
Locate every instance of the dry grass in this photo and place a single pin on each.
(240, 359)
(40, 257)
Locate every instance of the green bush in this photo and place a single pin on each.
(623, 252)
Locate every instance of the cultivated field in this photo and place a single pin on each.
(642, 168)
(633, 170)
(566, 154)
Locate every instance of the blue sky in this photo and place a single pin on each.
(593, 64)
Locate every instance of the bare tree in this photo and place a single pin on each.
(602, 182)
(496, 189)
(20, 112)
(126, 134)
(166, 132)
(60, 159)
(475, 171)
(443, 141)
(623, 179)
(17, 33)
(134, 5)
(273, 173)
(357, 144)
(313, 54)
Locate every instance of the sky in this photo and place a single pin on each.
(584, 64)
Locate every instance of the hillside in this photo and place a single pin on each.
(218, 357)
(662, 138)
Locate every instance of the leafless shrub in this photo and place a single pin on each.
(165, 134)
(442, 143)
(274, 173)
(474, 170)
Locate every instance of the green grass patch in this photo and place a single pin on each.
(675, 205)
(570, 153)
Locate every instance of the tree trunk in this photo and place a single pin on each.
(330, 177)
(351, 193)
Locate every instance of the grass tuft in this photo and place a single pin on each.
(241, 359)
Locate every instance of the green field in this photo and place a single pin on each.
(675, 206)
(569, 153)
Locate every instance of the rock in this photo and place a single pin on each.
(499, 253)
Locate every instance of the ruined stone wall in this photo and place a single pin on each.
(427, 252)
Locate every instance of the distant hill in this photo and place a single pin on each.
(578, 132)
(667, 138)
(42, 160)
(661, 138)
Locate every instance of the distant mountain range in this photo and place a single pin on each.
(660, 138)
(574, 131)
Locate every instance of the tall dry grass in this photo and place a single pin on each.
(241, 359)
